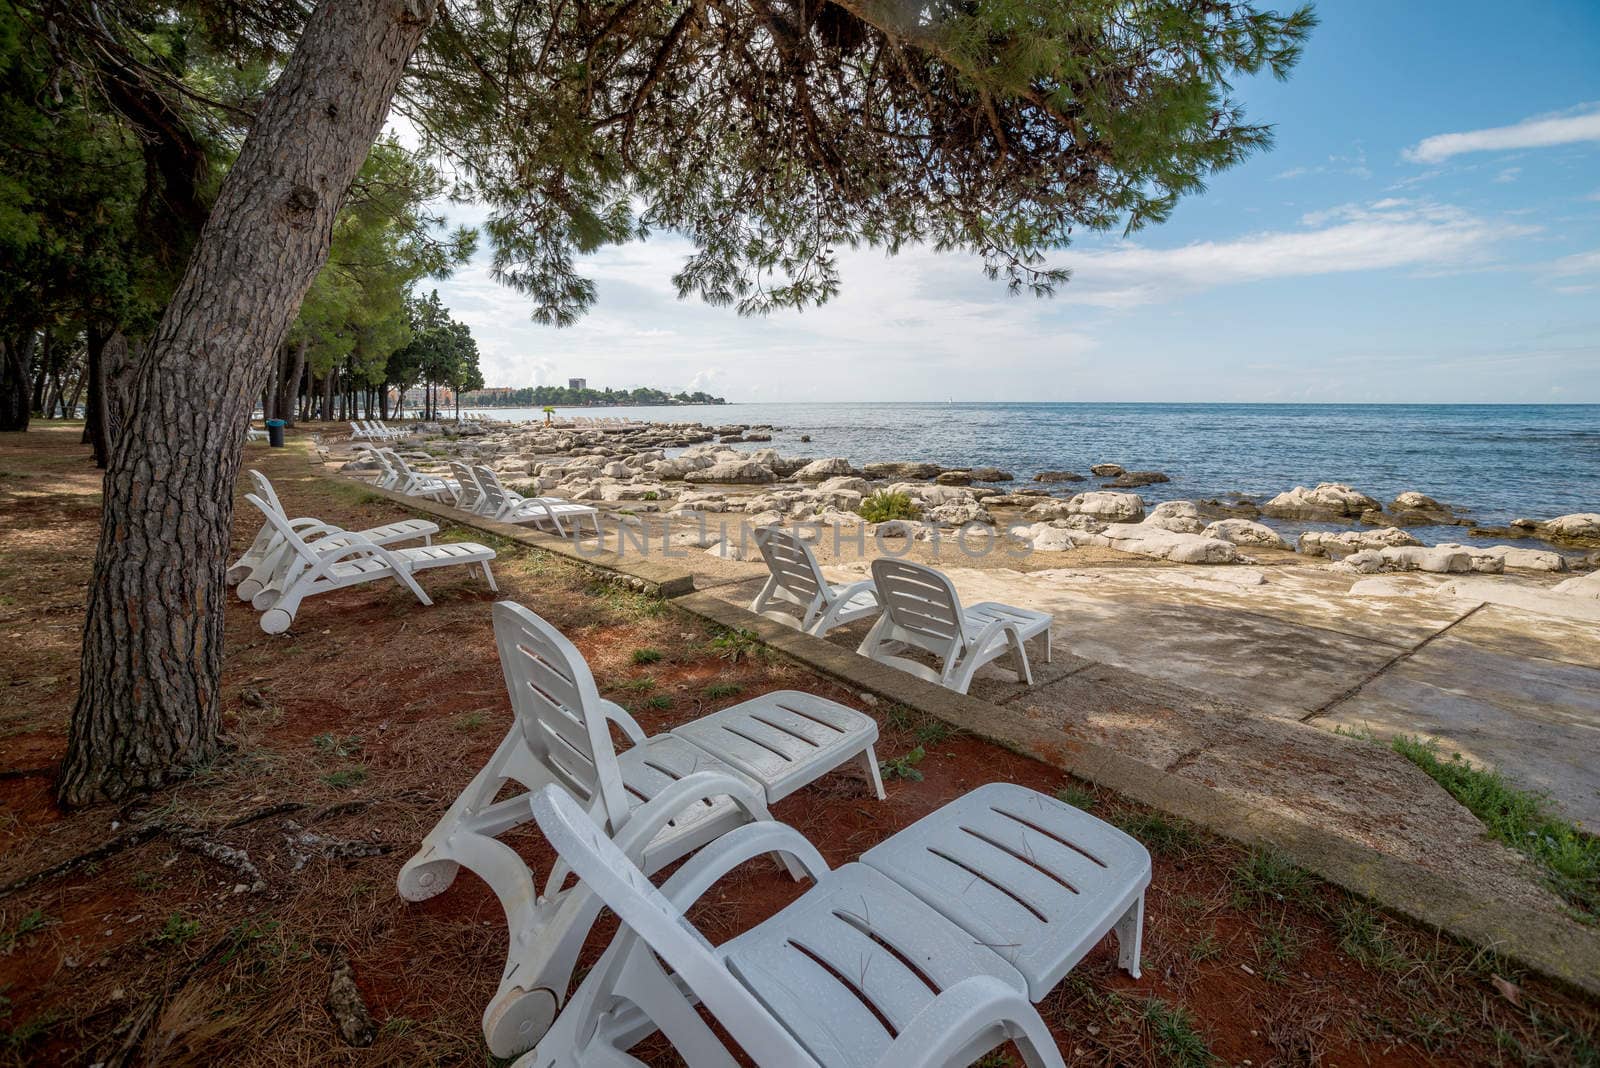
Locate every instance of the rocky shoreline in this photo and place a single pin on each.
(627, 466)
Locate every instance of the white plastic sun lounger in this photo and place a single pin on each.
(921, 611)
(415, 483)
(270, 553)
(865, 968)
(310, 572)
(508, 507)
(661, 799)
(797, 593)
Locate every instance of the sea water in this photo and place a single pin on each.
(1496, 462)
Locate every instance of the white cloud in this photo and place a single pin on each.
(1507, 175)
(1538, 132)
(1387, 234)
(1579, 263)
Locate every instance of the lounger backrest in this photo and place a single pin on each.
(921, 603)
(493, 490)
(280, 523)
(265, 491)
(791, 562)
(648, 916)
(469, 492)
(398, 461)
(558, 709)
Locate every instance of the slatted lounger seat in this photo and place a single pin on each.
(867, 968)
(1035, 878)
(660, 799)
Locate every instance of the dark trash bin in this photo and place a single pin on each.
(275, 433)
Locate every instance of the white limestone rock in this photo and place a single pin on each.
(847, 483)
(1580, 527)
(733, 472)
(1180, 548)
(1338, 543)
(679, 466)
(1586, 586)
(1109, 506)
(1180, 517)
(1329, 500)
(818, 470)
(958, 513)
(1513, 558)
(1245, 532)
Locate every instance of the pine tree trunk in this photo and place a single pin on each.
(16, 394)
(148, 706)
(289, 388)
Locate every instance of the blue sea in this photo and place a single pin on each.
(1496, 462)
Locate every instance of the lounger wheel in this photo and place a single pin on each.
(421, 879)
(238, 572)
(248, 588)
(276, 620)
(517, 1019)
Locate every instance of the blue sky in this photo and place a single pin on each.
(1427, 229)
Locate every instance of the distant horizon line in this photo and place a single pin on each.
(1039, 403)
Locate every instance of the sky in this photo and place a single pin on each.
(1426, 229)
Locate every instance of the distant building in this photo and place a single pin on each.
(577, 383)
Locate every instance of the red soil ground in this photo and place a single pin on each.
(363, 722)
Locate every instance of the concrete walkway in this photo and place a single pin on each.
(1237, 678)
(1505, 686)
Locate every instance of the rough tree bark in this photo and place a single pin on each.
(148, 706)
(289, 385)
(16, 394)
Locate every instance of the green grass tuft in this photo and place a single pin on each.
(646, 656)
(718, 690)
(1522, 819)
(1265, 872)
(735, 644)
(345, 778)
(31, 923)
(1164, 834)
(1176, 1039)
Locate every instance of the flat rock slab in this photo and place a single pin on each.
(1343, 785)
(1536, 720)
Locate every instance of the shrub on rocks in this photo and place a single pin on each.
(886, 505)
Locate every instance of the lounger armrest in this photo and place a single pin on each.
(621, 717)
(646, 821)
(991, 629)
(845, 593)
(942, 1033)
(706, 868)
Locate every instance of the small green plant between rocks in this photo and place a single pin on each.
(883, 506)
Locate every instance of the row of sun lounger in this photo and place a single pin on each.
(931, 950)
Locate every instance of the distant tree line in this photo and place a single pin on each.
(565, 397)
